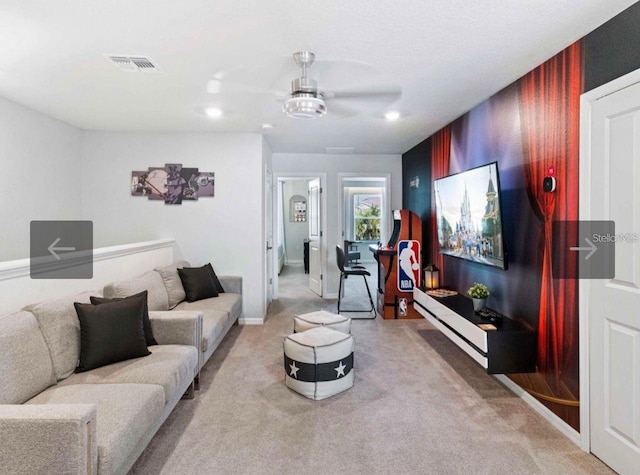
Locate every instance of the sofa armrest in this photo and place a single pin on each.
(231, 283)
(176, 327)
(48, 438)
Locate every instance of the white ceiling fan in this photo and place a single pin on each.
(306, 102)
(305, 99)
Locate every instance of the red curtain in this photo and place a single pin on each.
(550, 121)
(440, 154)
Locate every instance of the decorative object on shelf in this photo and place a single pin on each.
(298, 209)
(431, 277)
(172, 183)
(441, 293)
(478, 293)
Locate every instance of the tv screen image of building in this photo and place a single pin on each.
(468, 212)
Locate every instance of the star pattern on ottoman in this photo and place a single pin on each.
(294, 370)
(340, 369)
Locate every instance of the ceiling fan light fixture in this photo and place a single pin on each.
(304, 106)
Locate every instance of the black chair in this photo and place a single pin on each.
(353, 270)
(352, 253)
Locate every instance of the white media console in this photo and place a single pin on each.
(510, 348)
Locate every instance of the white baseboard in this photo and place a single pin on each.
(250, 321)
(331, 296)
(541, 409)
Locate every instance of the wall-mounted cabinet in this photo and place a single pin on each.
(510, 347)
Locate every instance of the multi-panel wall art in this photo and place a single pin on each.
(172, 184)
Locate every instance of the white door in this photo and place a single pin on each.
(268, 201)
(315, 235)
(614, 304)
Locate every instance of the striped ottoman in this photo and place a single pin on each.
(318, 362)
(322, 318)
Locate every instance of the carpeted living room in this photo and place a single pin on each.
(315, 237)
(418, 405)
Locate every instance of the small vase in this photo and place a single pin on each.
(478, 304)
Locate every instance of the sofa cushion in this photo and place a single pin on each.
(229, 303)
(172, 282)
(111, 332)
(60, 327)
(213, 325)
(149, 281)
(167, 366)
(146, 323)
(126, 413)
(217, 314)
(25, 363)
(198, 283)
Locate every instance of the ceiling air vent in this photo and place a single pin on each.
(134, 64)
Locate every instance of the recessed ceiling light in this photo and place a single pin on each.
(392, 115)
(214, 112)
(267, 126)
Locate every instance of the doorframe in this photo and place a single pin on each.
(584, 285)
(386, 205)
(277, 176)
(268, 191)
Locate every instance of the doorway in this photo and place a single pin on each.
(364, 215)
(299, 240)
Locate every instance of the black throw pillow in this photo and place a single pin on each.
(216, 281)
(198, 283)
(110, 332)
(146, 323)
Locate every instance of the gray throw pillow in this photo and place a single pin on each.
(172, 282)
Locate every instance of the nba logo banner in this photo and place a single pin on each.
(408, 265)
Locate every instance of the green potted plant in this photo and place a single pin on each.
(478, 293)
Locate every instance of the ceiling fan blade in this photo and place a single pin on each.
(215, 86)
(262, 77)
(384, 93)
(336, 109)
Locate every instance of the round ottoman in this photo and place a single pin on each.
(319, 362)
(322, 318)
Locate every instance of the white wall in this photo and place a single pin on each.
(294, 232)
(226, 230)
(41, 170)
(18, 289)
(290, 163)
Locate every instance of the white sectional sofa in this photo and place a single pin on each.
(56, 421)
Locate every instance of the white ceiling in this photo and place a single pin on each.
(445, 55)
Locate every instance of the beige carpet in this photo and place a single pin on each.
(419, 405)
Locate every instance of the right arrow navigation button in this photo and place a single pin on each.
(584, 249)
(591, 247)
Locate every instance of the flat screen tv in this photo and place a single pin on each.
(469, 215)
